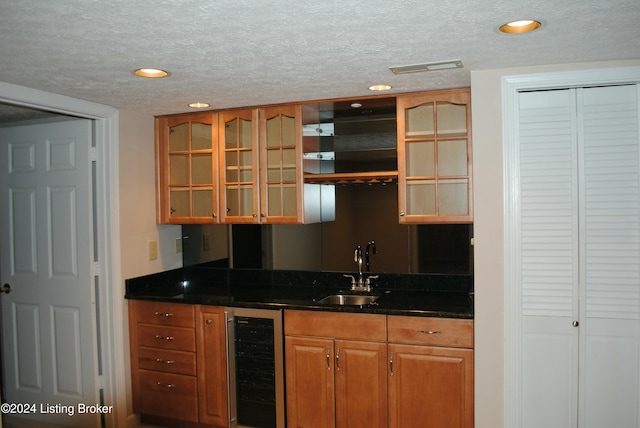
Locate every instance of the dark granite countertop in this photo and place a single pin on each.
(449, 296)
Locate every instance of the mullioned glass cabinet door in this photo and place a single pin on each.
(239, 166)
(434, 158)
(281, 135)
(187, 150)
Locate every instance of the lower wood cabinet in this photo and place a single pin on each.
(430, 387)
(342, 369)
(163, 371)
(346, 370)
(335, 382)
(430, 372)
(212, 365)
(179, 364)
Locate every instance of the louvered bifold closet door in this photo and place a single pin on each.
(579, 257)
(548, 258)
(610, 256)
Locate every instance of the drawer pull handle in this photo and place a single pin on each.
(161, 361)
(160, 337)
(163, 314)
(428, 332)
(166, 385)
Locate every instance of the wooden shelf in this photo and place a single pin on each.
(353, 177)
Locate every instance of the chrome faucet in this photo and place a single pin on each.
(357, 257)
(360, 283)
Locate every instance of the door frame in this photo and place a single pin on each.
(111, 304)
(511, 87)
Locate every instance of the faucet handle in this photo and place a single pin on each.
(367, 283)
(353, 280)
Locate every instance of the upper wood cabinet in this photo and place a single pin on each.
(261, 167)
(248, 165)
(239, 162)
(434, 157)
(186, 162)
(284, 197)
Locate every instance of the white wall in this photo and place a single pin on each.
(137, 201)
(137, 215)
(486, 97)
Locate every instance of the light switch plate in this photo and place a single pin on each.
(153, 250)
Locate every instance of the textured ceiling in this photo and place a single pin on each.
(233, 53)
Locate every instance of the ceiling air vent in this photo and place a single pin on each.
(427, 66)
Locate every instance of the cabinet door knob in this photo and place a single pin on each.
(576, 323)
(401, 213)
(209, 322)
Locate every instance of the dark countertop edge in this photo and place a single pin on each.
(369, 309)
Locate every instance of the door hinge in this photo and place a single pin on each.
(93, 154)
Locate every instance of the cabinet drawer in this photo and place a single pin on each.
(370, 327)
(162, 313)
(165, 360)
(430, 331)
(165, 337)
(168, 395)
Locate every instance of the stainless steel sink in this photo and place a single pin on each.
(348, 299)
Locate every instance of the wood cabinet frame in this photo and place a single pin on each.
(404, 102)
(164, 213)
(225, 217)
(403, 364)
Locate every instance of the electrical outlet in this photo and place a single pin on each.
(153, 250)
(178, 245)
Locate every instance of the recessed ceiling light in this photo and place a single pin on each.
(427, 66)
(151, 72)
(199, 105)
(520, 26)
(379, 87)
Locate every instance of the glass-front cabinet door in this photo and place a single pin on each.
(239, 196)
(434, 157)
(280, 164)
(187, 183)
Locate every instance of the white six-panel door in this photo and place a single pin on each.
(579, 257)
(48, 320)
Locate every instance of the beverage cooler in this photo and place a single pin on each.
(255, 368)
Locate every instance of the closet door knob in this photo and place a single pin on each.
(576, 323)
